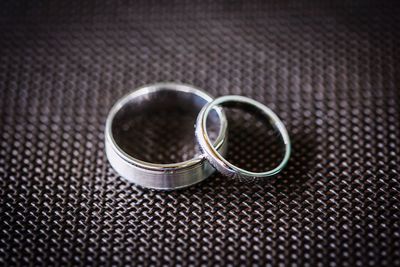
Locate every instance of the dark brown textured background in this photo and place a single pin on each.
(330, 70)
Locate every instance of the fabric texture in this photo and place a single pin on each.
(329, 70)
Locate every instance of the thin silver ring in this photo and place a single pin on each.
(217, 159)
(154, 175)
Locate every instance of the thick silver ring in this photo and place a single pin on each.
(217, 159)
(162, 176)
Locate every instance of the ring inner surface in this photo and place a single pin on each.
(255, 144)
(159, 127)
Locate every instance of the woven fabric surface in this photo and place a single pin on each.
(330, 71)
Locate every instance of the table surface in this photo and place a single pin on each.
(330, 71)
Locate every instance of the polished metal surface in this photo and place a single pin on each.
(217, 159)
(155, 175)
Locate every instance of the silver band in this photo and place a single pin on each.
(162, 176)
(217, 159)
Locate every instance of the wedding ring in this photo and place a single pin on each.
(154, 175)
(217, 159)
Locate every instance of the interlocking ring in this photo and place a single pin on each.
(217, 159)
(162, 176)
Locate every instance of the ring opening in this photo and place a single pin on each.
(254, 143)
(157, 127)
